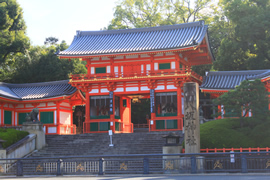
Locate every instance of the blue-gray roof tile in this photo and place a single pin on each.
(87, 43)
(226, 80)
(30, 91)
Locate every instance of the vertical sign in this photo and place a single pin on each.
(152, 100)
(111, 102)
(191, 118)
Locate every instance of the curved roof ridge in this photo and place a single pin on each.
(259, 76)
(11, 85)
(144, 29)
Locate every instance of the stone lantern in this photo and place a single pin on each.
(172, 139)
(172, 146)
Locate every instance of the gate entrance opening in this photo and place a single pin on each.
(140, 112)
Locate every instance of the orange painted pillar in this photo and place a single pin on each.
(86, 125)
(219, 110)
(2, 115)
(179, 108)
(58, 117)
(88, 66)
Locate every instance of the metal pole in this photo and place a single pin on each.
(193, 165)
(145, 166)
(244, 164)
(100, 172)
(19, 168)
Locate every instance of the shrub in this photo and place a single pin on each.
(11, 136)
(224, 133)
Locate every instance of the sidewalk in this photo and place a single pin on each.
(221, 176)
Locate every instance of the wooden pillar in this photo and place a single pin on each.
(179, 107)
(87, 107)
(1, 114)
(88, 66)
(58, 117)
(152, 63)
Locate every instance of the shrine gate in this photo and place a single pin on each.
(133, 64)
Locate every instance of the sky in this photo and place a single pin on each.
(62, 18)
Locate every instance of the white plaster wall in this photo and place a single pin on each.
(65, 104)
(51, 130)
(29, 105)
(51, 104)
(65, 118)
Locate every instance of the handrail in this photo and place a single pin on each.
(224, 150)
(135, 74)
(131, 155)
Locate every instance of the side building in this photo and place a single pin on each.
(54, 100)
(125, 66)
(216, 83)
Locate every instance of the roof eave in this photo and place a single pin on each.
(128, 53)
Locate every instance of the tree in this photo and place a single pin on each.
(248, 96)
(248, 45)
(51, 41)
(149, 13)
(43, 65)
(12, 33)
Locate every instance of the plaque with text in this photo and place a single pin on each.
(191, 118)
(152, 100)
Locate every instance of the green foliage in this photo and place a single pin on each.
(224, 133)
(12, 34)
(249, 96)
(41, 65)
(248, 46)
(149, 13)
(11, 136)
(51, 41)
(227, 133)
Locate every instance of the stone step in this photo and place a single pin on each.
(98, 144)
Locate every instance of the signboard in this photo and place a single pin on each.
(152, 100)
(232, 157)
(111, 102)
(110, 132)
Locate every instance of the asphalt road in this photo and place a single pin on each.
(154, 177)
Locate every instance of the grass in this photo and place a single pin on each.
(227, 133)
(11, 136)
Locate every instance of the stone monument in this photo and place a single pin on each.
(34, 126)
(191, 117)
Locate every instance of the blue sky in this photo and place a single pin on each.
(61, 18)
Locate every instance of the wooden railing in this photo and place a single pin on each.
(223, 150)
(141, 126)
(134, 74)
(122, 127)
(67, 129)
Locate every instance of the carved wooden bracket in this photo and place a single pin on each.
(178, 82)
(152, 84)
(84, 87)
(111, 86)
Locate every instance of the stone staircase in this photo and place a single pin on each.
(98, 144)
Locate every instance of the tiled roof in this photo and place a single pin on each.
(87, 43)
(226, 80)
(36, 90)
